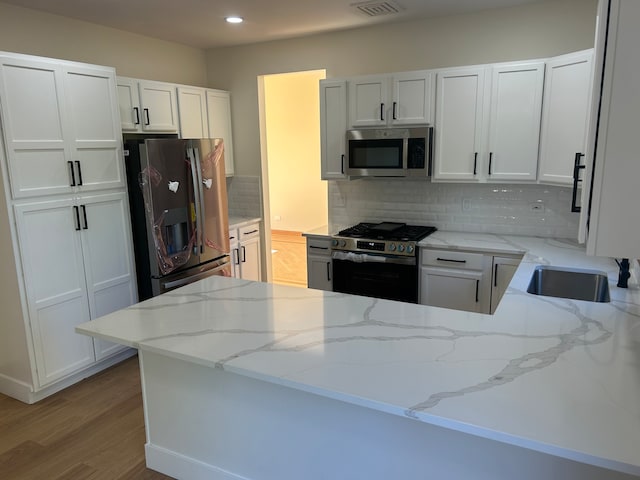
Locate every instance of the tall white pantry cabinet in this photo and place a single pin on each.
(65, 229)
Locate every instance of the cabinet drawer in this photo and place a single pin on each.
(249, 231)
(453, 259)
(318, 246)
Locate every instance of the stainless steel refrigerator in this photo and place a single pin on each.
(178, 200)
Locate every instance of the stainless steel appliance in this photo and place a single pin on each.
(389, 152)
(378, 260)
(178, 200)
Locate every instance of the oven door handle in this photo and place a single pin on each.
(367, 258)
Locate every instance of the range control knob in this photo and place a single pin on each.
(392, 247)
(410, 249)
(343, 243)
(334, 243)
(401, 248)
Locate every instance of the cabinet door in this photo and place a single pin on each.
(35, 127)
(51, 255)
(450, 288)
(219, 121)
(333, 127)
(95, 136)
(250, 259)
(129, 104)
(514, 121)
(368, 101)
(108, 259)
(159, 107)
(319, 272)
(459, 117)
(614, 223)
(412, 98)
(565, 115)
(192, 107)
(503, 270)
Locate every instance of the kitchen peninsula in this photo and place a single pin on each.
(247, 380)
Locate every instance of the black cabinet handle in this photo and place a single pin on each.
(318, 248)
(249, 233)
(244, 254)
(77, 212)
(450, 260)
(146, 114)
(79, 172)
(477, 290)
(236, 256)
(342, 164)
(382, 112)
(394, 110)
(490, 161)
(475, 163)
(495, 275)
(73, 173)
(329, 271)
(84, 217)
(136, 110)
(576, 178)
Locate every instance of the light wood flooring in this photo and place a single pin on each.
(289, 258)
(93, 430)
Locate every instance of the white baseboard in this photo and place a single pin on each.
(185, 468)
(25, 393)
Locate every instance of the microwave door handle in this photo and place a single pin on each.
(405, 154)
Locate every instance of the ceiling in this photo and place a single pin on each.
(200, 23)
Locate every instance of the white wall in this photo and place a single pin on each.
(37, 33)
(516, 33)
(298, 198)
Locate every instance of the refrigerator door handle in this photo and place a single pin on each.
(194, 160)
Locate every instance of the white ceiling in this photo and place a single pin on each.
(200, 23)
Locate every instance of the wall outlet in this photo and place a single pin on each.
(537, 207)
(466, 204)
(277, 218)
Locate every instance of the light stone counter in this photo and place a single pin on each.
(556, 376)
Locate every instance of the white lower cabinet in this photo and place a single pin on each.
(319, 265)
(454, 279)
(503, 270)
(77, 264)
(245, 252)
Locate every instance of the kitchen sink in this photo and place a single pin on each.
(574, 283)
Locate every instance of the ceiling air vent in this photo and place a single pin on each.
(375, 9)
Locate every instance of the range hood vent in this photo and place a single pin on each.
(375, 9)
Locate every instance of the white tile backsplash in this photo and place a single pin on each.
(538, 210)
(244, 196)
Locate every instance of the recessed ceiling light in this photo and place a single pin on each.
(234, 19)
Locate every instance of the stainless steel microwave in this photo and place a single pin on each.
(389, 152)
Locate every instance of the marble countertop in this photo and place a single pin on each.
(554, 375)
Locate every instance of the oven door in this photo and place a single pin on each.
(379, 276)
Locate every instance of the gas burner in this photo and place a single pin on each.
(388, 231)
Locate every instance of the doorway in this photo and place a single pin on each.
(295, 199)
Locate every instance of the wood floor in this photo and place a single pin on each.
(289, 258)
(93, 430)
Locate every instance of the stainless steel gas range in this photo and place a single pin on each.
(378, 260)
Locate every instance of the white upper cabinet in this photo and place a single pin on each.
(368, 99)
(219, 123)
(400, 99)
(565, 115)
(458, 125)
(333, 127)
(614, 221)
(413, 98)
(192, 108)
(147, 106)
(514, 121)
(61, 127)
(488, 123)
